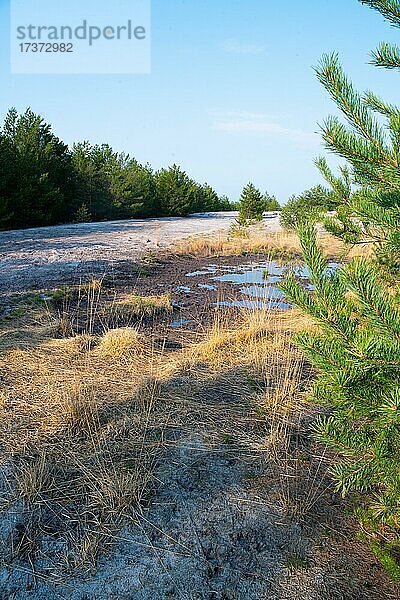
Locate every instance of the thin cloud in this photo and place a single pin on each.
(259, 124)
(235, 47)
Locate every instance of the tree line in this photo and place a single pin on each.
(44, 182)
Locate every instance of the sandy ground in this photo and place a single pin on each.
(47, 256)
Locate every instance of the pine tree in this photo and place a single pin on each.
(225, 204)
(251, 205)
(178, 193)
(209, 197)
(310, 206)
(8, 183)
(92, 179)
(357, 345)
(38, 187)
(43, 182)
(83, 215)
(271, 203)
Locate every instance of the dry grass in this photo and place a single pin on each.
(282, 244)
(249, 340)
(121, 342)
(139, 306)
(257, 242)
(84, 419)
(77, 423)
(33, 479)
(256, 358)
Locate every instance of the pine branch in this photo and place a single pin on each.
(386, 56)
(363, 278)
(368, 163)
(332, 77)
(341, 186)
(357, 307)
(390, 9)
(377, 104)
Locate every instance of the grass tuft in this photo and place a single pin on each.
(120, 342)
(134, 305)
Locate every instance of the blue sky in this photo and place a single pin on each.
(231, 96)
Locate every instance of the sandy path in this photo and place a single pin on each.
(47, 256)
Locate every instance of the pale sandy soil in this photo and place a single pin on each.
(47, 256)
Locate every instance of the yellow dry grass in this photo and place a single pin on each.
(137, 306)
(257, 242)
(83, 419)
(121, 342)
(144, 304)
(282, 244)
(44, 384)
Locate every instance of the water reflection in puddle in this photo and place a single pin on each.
(181, 322)
(260, 293)
(270, 292)
(257, 282)
(251, 275)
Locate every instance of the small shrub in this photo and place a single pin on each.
(83, 215)
(236, 230)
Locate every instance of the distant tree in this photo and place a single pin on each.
(9, 216)
(43, 182)
(113, 185)
(211, 199)
(206, 199)
(310, 206)
(39, 186)
(83, 214)
(178, 193)
(92, 179)
(134, 189)
(142, 191)
(271, 203)
(225, 204)
(251, 205)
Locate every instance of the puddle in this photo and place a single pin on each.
(181, 322)
(264, 292)
(183, 288)
(263, 274)
(257, 282)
